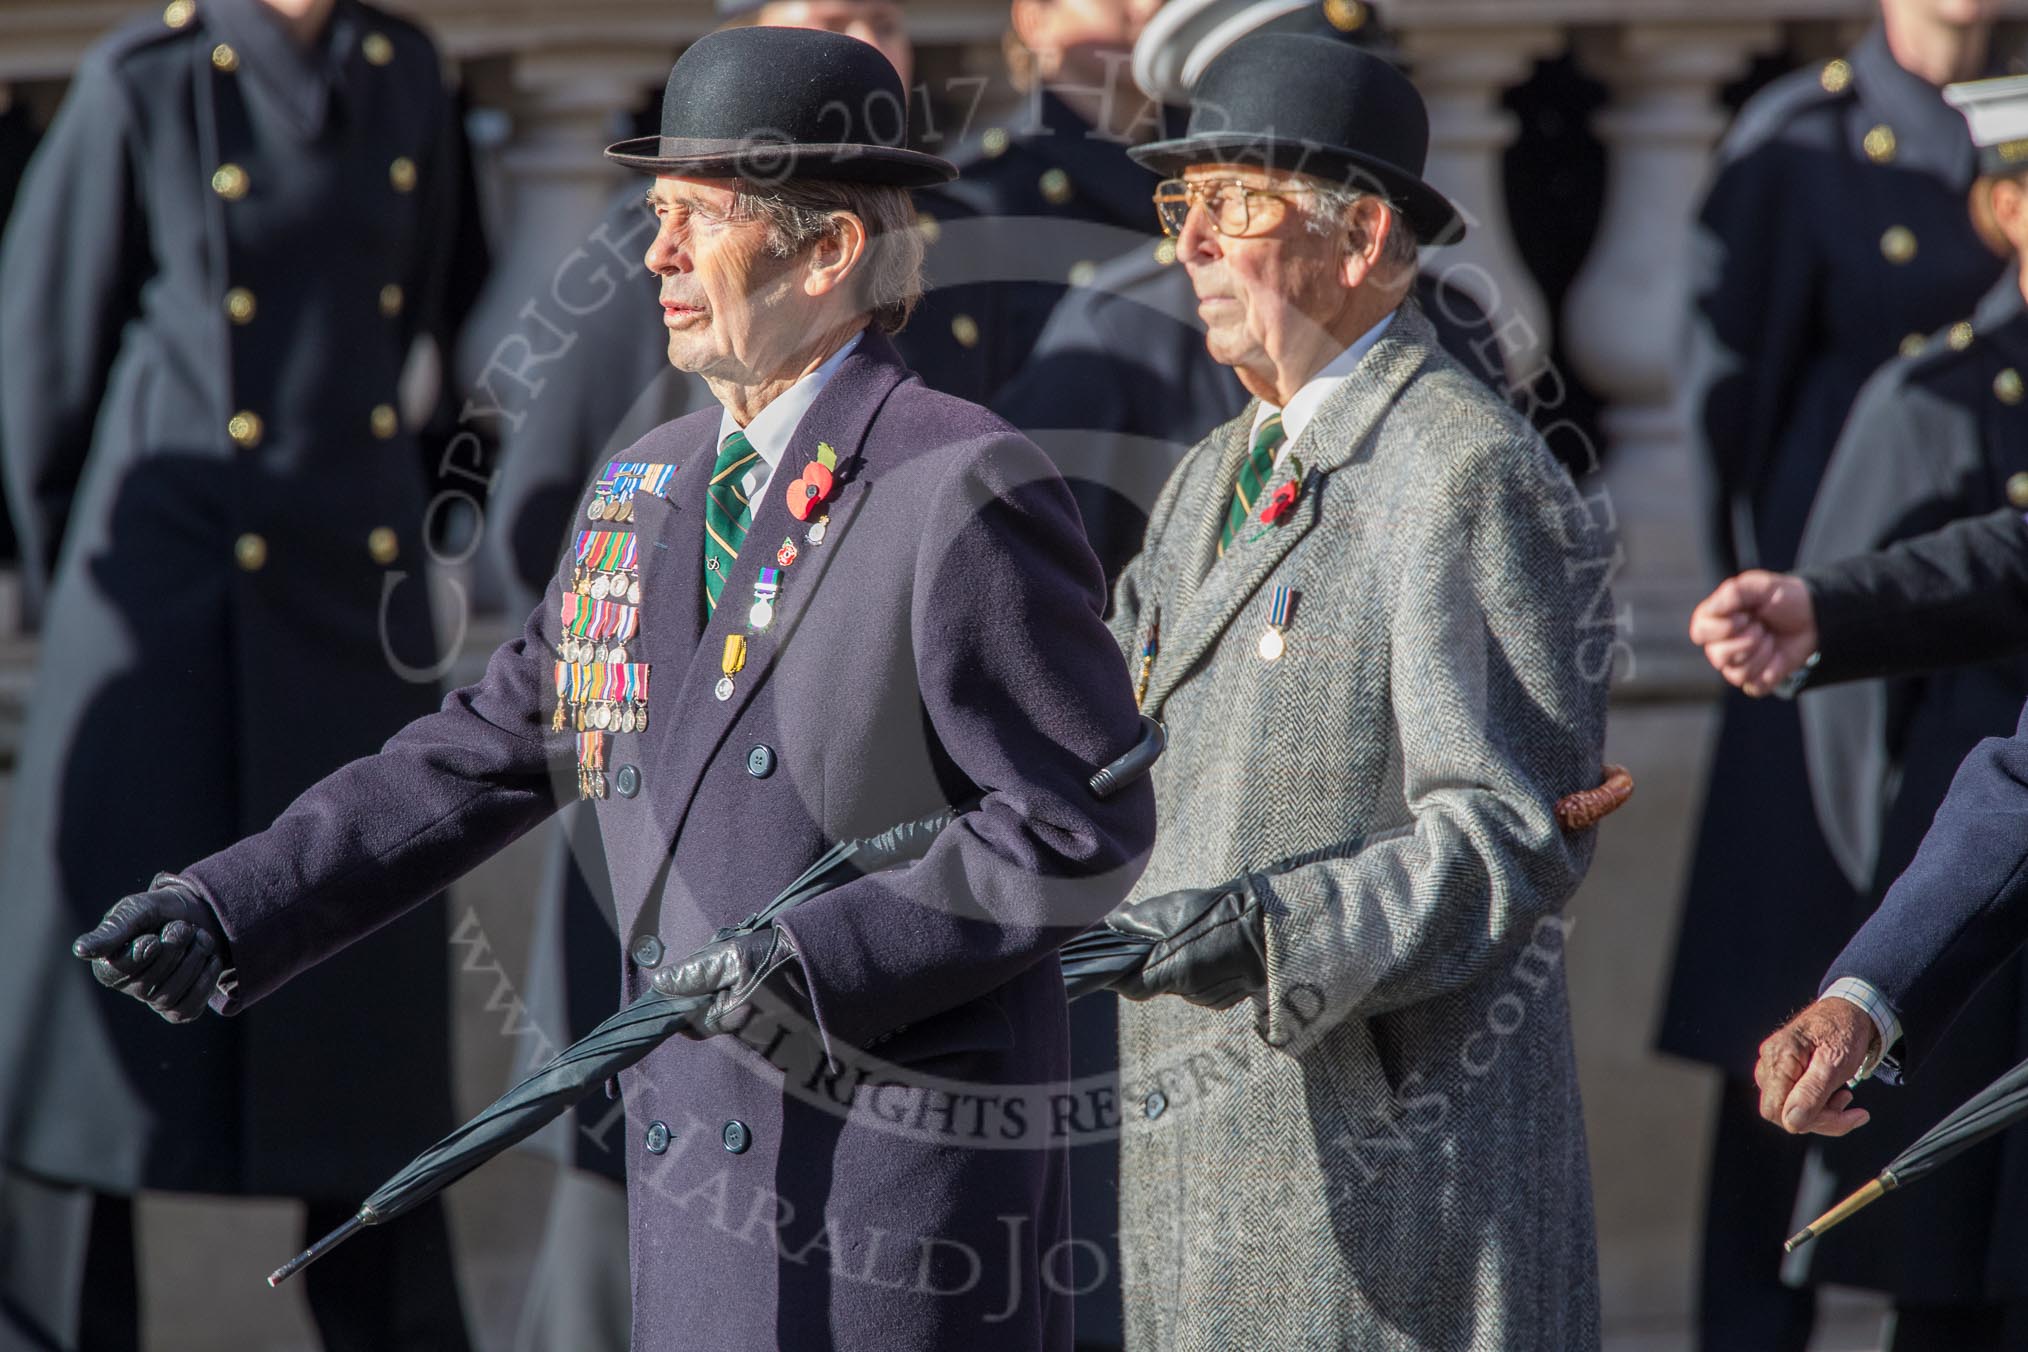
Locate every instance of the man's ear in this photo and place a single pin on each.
(1368, 226)
(837, 255)
(1030, 20)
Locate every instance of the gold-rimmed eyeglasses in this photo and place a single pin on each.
(1233, 207)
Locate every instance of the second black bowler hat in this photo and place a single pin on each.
(772, 104)
(1292, 101)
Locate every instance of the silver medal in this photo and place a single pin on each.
(617, 655)
(724, 688)
(634, 593)
(1271, 645)
(627, 719)
(602, 587)
(762, 615)
(816, 535)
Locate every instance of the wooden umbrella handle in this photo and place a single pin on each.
(1586, 808)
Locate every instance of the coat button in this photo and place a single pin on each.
(2017, 492)
(390, 300)
(928, 227)
(1082, 272)
(379, 50)
(2007, 386)
(1913, 344)
(239, 305)
(402, 174)
(994, 143)
(1054, 186)
(179, 13)
(627, 780)
(965, 329)
(250, 552)
(736, 1137)
(1165, 252)
(225, 58)
(386, 422)
(1897, 245)
(382, 544)
(1836, 76)
(1879, 144)
(230, 182)
(1960, 335)
(1155, 1105)
(647, 950)
(245, 429)
(658, 1137)
(760, 762)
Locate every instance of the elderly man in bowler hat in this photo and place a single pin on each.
(861, 602)
(1351, 1096)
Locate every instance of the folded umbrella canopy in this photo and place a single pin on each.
(648, 1022)
(1999, 1105)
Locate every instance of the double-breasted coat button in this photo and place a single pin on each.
(391, 300)
(2007, 386)
(658, 1137)
(1055, 187)
(627, 780)
(224, 57)
(928, 227)
(179, 13)
(383, 545)
(1155, 1104)
(994, 143)
(244, 428)
(647, 951)
(1897, 245)
(1879, 144)
(378, 49)
(239, 305)
(760, 762)
(2017, 492)
(1836, 76)
(1165, 251)
(1960, 336)
(1913, 344)
(230, 182)
(402, 174)
(736, 1137)
(965, 329)
(386, 422)
(250, 552)
(1082, 272)
(1347, 16)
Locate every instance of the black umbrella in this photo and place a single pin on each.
(648, 1022)
(1999, 1105)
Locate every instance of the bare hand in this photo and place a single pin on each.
(1756, 629)
(1805, 1065)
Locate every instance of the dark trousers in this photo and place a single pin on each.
(393, 1289)
(1755, 1170)
(1959, 1328)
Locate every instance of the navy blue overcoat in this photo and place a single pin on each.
(894, 1176)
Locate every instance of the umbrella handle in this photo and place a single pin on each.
(1858, 1201)
(323, 1246)
(1136, 763)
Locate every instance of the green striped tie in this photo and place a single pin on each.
(1253, 476)
(727, 515)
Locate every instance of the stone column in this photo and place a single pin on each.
(1462, 73)
(1625, 319)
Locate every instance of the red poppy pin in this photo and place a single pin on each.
(813, 489)
(1280, 503)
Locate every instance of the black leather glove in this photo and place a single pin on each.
(1209, 947)
(164, 947)
(731, 971)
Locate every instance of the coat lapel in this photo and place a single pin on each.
(1206, 602)
(699, 720)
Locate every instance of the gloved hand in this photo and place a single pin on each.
(164, 947)
(731, 971)
(1209, 946)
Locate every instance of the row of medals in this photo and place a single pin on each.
(604, 715)
(761, 613)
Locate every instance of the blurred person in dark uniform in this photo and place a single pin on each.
(216, 269)
(1938, 436)
(1834, 233)
(1119, 384)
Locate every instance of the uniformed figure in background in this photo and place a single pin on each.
(1119, 384)
(216, 269)
(1834, 233)
(1934, 437)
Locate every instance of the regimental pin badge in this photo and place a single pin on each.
(786, 555)
(1272, 643)
(818, 529)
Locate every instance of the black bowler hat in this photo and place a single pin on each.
(1291, 101)
(781, 103)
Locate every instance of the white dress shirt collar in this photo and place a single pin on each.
(1303, 405)
(771, 429)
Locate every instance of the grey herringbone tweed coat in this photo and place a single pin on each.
(1386, 1151)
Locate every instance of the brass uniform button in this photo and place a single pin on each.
(250, 552)
(382, 545)
(385, 421)
(1165, 251)
(965, 329)
(1960, 335)
(1913, 345)
(225, 58)
(2017, 492)
(179, 13)
(1347, 16)
(994, 142)
(2007, 386)
(1879, 144)
(1054, 186)
(378, 48)
(1836, 77)
(402, 174)
(391, 300)
(239, 305)
(244, 429)
(928, 227)
(230, 182)
(1082, 272)
(1897, 246)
